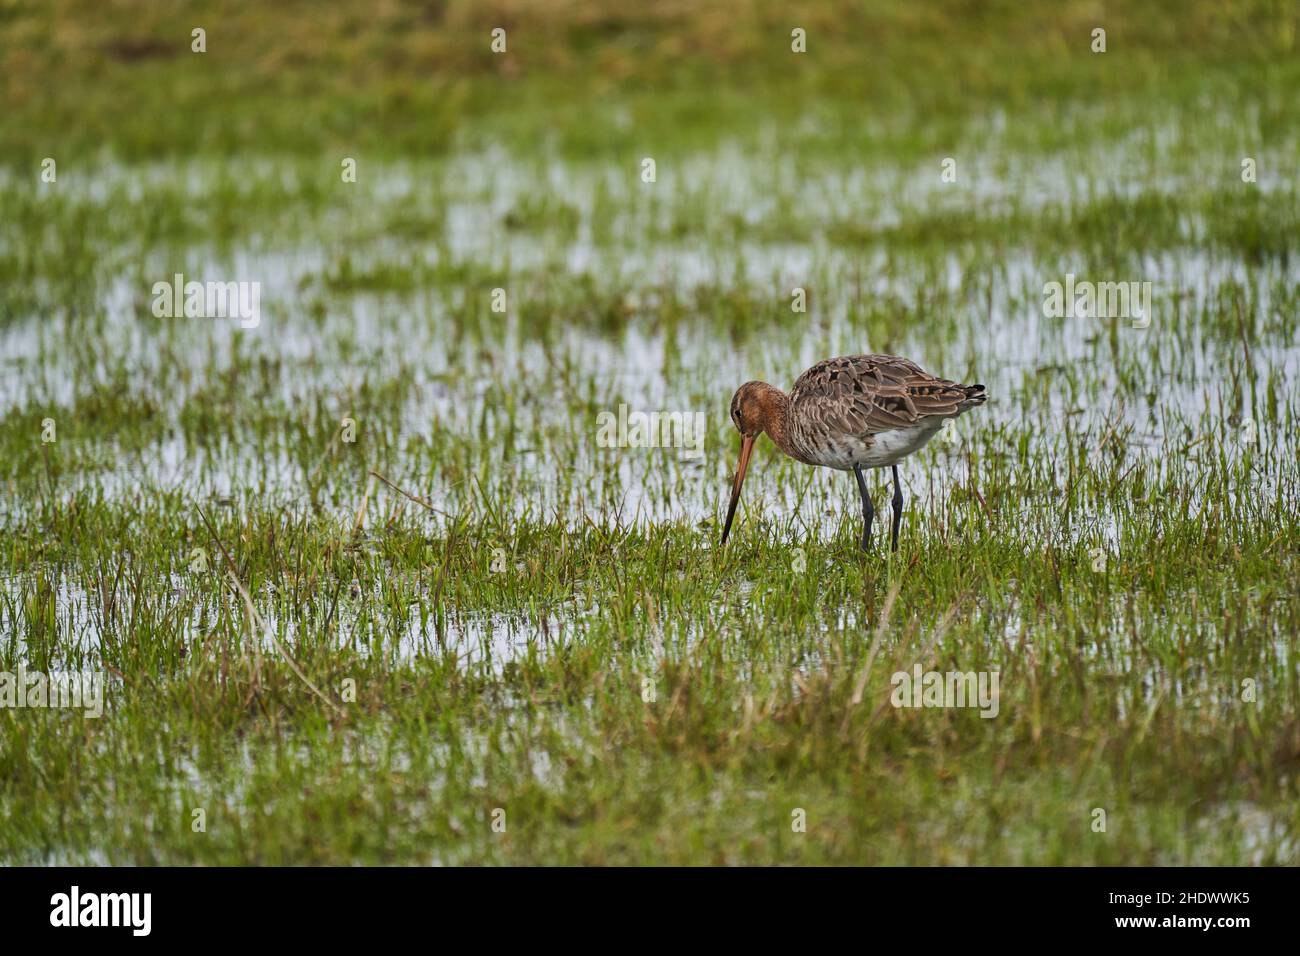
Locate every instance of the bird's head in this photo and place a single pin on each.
(753, 408)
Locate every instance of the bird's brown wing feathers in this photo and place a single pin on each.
(863, 395)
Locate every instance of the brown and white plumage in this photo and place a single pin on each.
(850, 413)
(871, 410)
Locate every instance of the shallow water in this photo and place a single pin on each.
(714, 223)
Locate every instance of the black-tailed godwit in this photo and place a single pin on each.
(850, 413)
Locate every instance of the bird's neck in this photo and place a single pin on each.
(775, 418)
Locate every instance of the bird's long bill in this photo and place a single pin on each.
(746, 446)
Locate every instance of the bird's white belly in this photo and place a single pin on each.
(880, 451)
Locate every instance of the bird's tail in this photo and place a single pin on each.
(974, 396)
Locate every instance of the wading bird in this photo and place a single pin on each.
(849, 413)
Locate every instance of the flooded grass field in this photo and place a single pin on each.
(366, 584)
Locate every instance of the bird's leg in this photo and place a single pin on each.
(898, 510)
(868, 512)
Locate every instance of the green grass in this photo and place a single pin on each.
(552, 630)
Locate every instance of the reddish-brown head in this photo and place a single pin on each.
(756, 407)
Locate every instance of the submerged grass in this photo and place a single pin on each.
(362, 578)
